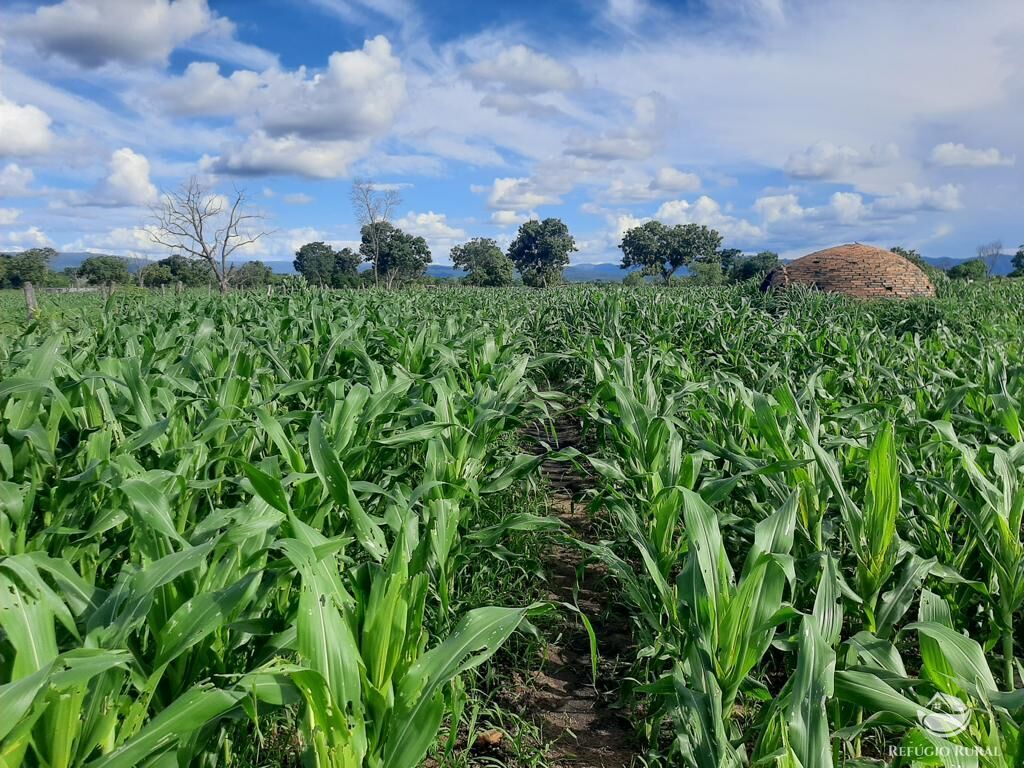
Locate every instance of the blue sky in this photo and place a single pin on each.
(786, 125)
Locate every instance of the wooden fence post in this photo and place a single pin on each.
(30, 301)
(179, 288)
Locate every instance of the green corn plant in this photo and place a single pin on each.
(996, 515)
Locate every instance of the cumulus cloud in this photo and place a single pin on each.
(910, 197)
(9, 216)
(707, 211)
(201, 90)
(773, 208)
(785, 210)
(516, 194)
(15, 180)
(429, 225)
(357, 96)
(261, 155)
(128, 182)
(524, 70)
(434, 228)
(506, 218)
(669, 179)
(297, 198)
(825, 160)
(24, 129)
(666, 182)
(33, 237)
(92, 33)
(952, 155)
(314, 125)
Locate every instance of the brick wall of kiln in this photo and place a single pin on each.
(864, 275)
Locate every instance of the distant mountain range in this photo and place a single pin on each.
(1003, 265)
(574, 273)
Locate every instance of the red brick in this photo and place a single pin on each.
(855, 270)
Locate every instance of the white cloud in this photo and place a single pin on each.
(15, 180)
(435, 229)
(707, 211)
(128, 182)
(613, 148)
(910, 197)
(313, 125)
(637, 141)
(24, 130)
(297, 198)
(357, 96)
(671, 179)
(622, 223)
(262, 154)
(430, 225)
(516, 194)
(848, 207)
(517, 104)
(825, 160)
(524, 70)
(92, 33)
(33, 237)
(506, 218)
(950, 154)
(135, 242)
(625, 13)
(666, 182)
(784, 211)
(773, 208)
(201, 90)
(9, 216)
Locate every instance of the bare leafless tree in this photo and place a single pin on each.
(195, 222)
(373, 206)
(989, 253)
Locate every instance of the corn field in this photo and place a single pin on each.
(317, 514)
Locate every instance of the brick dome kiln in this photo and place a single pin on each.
(855, 270)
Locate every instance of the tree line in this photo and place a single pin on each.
(204, 231)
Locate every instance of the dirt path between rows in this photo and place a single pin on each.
(576, 718)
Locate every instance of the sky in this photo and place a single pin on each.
(787, 125)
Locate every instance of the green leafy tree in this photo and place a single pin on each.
(315, 262)
(750, 267)
(729, 257)
(1018, 263)
(973, 269)
(541, 251)
(31, 266)
(101, 270)
(485, 262)
(706, 273)
(191, 273)
(661, 250)
(156, 275)
(396, 256)
(914, 256)
(252, 274)
(346, 269)
(634, 279)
